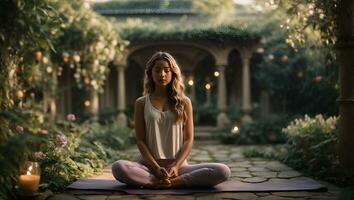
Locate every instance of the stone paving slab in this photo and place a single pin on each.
(252, 170)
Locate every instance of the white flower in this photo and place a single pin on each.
(39, 155)
(45, 60)
(49, 70)
(61, 140)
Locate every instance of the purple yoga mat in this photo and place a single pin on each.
(294, 184)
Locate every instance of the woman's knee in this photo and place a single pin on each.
(119, 169)
(222, 171)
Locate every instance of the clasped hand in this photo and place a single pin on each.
(163, 173)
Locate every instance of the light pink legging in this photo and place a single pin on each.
(197, 175)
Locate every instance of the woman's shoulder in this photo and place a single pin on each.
(140, 100)
(187, 100)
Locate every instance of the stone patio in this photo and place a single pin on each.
(252, 170)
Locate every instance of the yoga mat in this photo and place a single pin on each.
(294, 184)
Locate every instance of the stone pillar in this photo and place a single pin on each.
(345, 57)
(122, 118)
(246, 87)
(94, 107)
(222, 120)
(208, 96)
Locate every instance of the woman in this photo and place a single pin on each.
(164, 134)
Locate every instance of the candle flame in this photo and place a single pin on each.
(29, 170)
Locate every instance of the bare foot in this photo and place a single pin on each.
(157, 184)
(177, 182)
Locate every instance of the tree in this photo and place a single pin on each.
(335, 20)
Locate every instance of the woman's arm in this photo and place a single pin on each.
(140, 135)
(188, 136)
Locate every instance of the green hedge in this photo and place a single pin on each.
(143, 4)
(261, 131)
(216, 34)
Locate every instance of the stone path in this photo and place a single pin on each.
(253, 170)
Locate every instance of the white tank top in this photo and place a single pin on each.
(164, 136)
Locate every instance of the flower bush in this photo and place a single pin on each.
(73, 151)
(311, 145)
(311, 148)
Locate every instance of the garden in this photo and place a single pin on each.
(43, 40)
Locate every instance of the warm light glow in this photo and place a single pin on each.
(216, 73)
(234, 130)
(260, 50)
(190, 82)
(284, 58)
(207, 86)
(87, 103)
(270, 57)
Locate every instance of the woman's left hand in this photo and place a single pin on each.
(173, 171)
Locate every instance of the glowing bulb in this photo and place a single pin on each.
(234, 130)
(216, 73)
(190, 82)
(87, 103)
(207, 86)
(260, 50)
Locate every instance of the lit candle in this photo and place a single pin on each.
(29, 182)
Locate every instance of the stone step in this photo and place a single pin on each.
(205, 133)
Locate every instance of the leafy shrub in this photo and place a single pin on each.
(111, 137)
(19, 137)
(73, 151)
(269, 152)
(260, 131)
(206, 114)
(311, 145)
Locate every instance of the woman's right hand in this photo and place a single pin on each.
(161, 173)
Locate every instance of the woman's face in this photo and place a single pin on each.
(161, 73)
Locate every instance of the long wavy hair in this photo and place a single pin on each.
(175, 89)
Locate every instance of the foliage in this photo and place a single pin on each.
(261, 131)
(143, 4)
(311, 147)
(87, 43)
(73, 151)
(208, 33)
(270, 152)
(302, 80)
(20, 136)
(29, 66)
(205, 114)
(111, 137)
(305, 16)
(22, 30)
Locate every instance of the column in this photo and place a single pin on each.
(94, 107)
(122, 118)
(222, 120)
(246, 87)
(345, 57)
